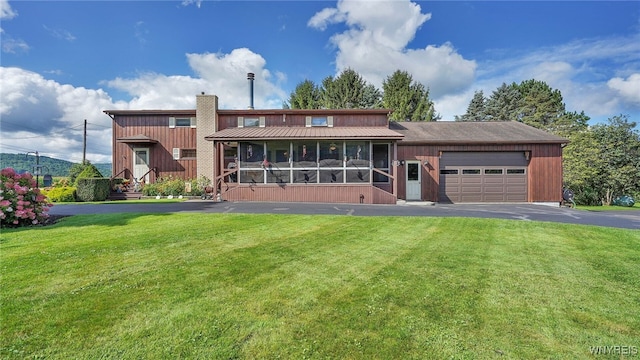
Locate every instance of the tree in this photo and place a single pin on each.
(408, 99)
(503, 104)
(476, 111)
(371, 98)
(305, 96)
(603, 161)
(569, 123)
(344, 92)
(539, 105)
(581, 159)
(619, 168)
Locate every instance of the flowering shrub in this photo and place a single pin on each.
(21, 202)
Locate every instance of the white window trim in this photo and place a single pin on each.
(176, 153)
(172, 122)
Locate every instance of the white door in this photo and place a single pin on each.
(413, 176)
(141, 164)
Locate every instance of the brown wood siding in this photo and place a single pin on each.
(347, 194)
(544, 170)
(157, 128)
(294, 120)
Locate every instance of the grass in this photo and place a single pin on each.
(132, 201)
(635, 207)
(208, 286)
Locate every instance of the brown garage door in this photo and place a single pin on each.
(483, 177)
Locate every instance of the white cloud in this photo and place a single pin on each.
(226, 76)
(141, 32)
(158, 91)
(628, 88)
(325, 17)
(375, 45)
(61, 34)
(198, 3)
(583, 70)
(10, 45)
(6, 12)
(44, 115)
(14, 46)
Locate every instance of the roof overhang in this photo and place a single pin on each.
(187, 112)
(137, 139)
(304, 133)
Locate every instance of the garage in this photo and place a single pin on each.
(483, 177)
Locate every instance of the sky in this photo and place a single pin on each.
(66, 61)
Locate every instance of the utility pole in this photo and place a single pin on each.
(84, 143)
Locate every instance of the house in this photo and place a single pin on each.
(338, 156)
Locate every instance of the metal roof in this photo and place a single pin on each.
(137, 139)
(276, 133)
(472, 132)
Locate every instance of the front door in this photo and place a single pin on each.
(414, 190)
(141, 164)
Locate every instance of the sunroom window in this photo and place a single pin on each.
(312, 162)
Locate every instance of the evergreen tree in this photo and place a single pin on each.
(569, 123)
(539, 105)
(476, 111)
(305, 96)
(344, 92)
(408, 99)
(504, 103)
(371, 98)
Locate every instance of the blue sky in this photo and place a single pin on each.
(66, 61)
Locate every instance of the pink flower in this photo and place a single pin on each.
(9, 172)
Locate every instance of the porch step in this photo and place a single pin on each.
(127, 195)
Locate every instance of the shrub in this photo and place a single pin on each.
(587, 196)
(89, 171)
(21, 203)
(93, 189)
(61, 194)
(175, 187)
(61, 181)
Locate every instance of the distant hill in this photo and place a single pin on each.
(54, 167)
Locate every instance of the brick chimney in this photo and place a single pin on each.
(206, 124)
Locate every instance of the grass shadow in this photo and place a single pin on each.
(60, 221)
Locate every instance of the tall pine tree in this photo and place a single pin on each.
(476, 111)
(305, 96)
(408, 99)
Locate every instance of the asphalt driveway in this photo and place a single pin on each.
(523, 212)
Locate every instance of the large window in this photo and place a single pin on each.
(312, 162)
(381, 162)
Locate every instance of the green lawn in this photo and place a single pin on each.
(210, 286)
(635, 207)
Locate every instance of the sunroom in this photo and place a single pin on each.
(306, 164)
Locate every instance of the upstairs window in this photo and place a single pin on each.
(182, 122)
(319, 121)
(251, 121)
